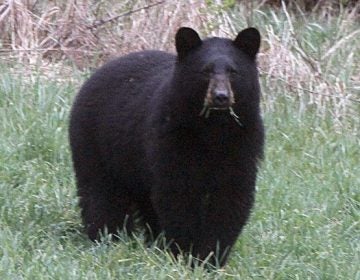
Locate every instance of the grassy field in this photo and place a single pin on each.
(306, 222)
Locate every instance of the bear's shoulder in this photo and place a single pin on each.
(142, 59)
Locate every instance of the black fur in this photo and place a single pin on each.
(139, 143)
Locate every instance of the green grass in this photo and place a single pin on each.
(305, 225)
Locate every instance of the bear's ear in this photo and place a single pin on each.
(248, 40)
(186, 39)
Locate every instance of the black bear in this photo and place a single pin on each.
(176, 139)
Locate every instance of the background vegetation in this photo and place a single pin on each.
(306, 221)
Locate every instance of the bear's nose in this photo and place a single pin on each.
(221, 98)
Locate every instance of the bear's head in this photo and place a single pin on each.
(220, 73)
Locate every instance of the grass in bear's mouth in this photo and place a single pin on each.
(206, 110)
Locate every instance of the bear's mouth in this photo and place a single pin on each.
(207, 108)
(219, 97)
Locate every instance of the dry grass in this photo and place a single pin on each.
(81, 30)
(307, 75)
(87, 33)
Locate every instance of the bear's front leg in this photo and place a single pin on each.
(227, 211)
(178, 211)
(203, 224)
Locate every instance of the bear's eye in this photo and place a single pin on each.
(208, 69)
(233, 71)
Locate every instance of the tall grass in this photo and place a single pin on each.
(305, 224)
(303, 53)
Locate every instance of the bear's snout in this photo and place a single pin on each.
(221, 98)
(220, 94)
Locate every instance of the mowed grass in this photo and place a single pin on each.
(305, 224)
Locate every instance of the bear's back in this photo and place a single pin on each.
(123, 76)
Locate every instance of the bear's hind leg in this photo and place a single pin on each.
(104, 212)
(104, 207)
(149, 219)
